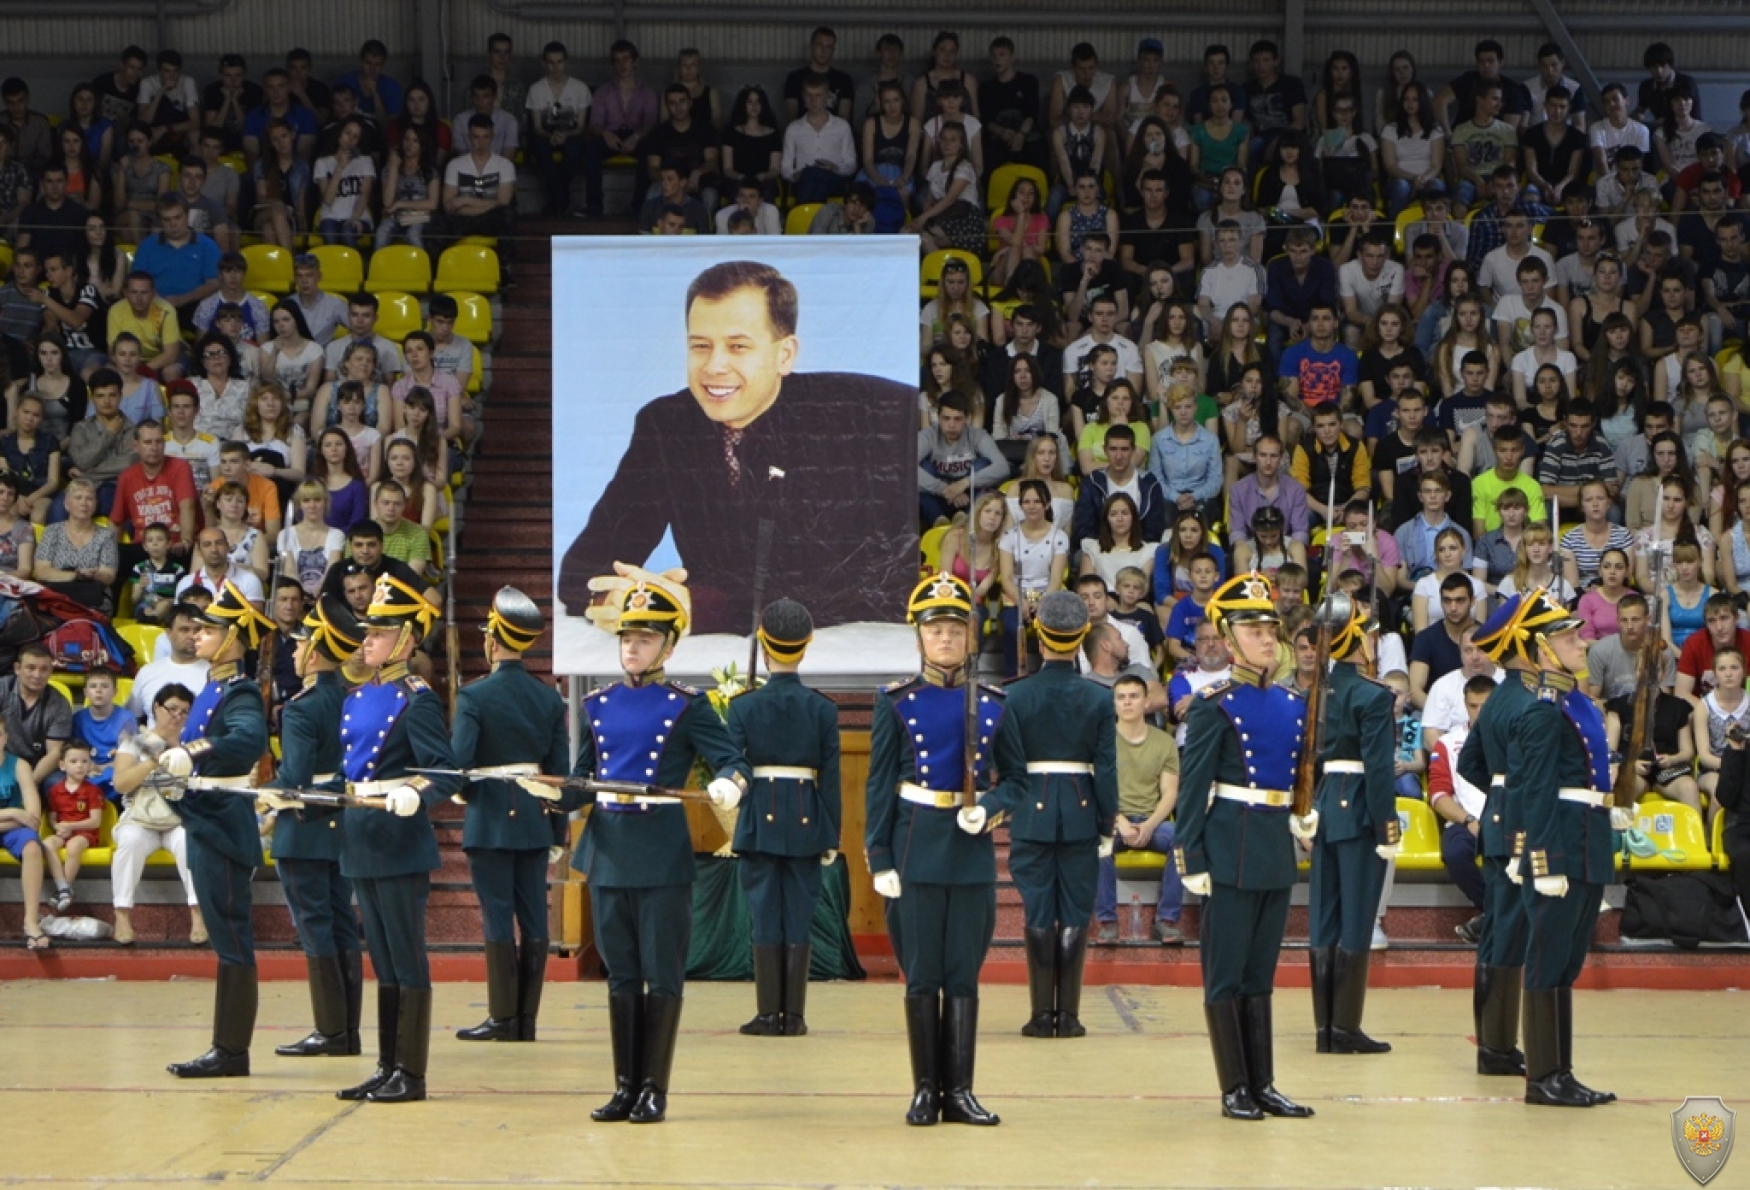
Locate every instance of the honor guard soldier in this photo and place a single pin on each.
(225, 736)
(937, 868)
(1570, 847)
(307, 839)
(1063, 815)
(390, 726)
(789, 828)
(1243, 739)
(510, 723)
(1489, 761)
(637, 851)
(1358, 827)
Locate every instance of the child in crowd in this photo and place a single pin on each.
(1290, 585)
(103, 725)
(155, 579)
(1133, 608)
(75, 814)
(1411, 761)
(1187, 613)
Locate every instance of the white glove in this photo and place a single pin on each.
(555, 853)
(724, 793)
(1552, 886)
(176, 762)
(1105, 849)
(1621, 818)
(275, 799)
(402, 802)
(828, 858)
(1304, 826)
(1389, 851)
(1513, 872)
(971, 820)
(547, 793)
(1199, 884)
(887, 884)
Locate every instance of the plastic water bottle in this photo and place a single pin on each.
(1133, 928)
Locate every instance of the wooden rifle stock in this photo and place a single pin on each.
(1306, 772)
(1629, 785)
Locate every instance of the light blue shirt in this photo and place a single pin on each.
(1181, 467)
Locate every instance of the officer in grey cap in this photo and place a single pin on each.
(789, 825)
(1063, 816)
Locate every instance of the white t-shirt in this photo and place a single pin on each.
(563, 112)
(1415, 153)
(1129, 358)
(1525, 364)
(1227, 286)
(1107, 564)
(766, 220)
(1539, 89)
(159, 674)
(1370, 295)
(1472, 799)
(185, 93)
(1444, 711)
(1428, 587)
(1511, 310)
(1033, 558)
(349, 189)
(245, 581)
(1391, 655)
(933, 127)
(1134, 641)
(1500, 272)
(1606, 136)
(479, 181)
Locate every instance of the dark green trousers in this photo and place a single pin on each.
(512, 888)
(782, 892)
(222, 887)
(642, 934)
(393, 908)
(1502, 943)
(1241, 939)
(1057, 882)
(1347, 879)
(1560, 934)
(320, 900)
(940, 933)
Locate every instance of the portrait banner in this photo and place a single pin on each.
(713, 392)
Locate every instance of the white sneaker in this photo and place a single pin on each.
(1380, 941)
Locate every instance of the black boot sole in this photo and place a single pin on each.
(317, 1045)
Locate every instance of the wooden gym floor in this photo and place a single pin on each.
(86, 1102)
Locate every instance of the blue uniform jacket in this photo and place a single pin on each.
(389, 726)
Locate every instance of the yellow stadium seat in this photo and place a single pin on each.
(1139, 865)
(270, 268)
(343, 269)
(5, 259)
(399, 268)
(482, 241)
(1002, 184)
(1671, 827)
(930, 548)
(1722, 861)
(124, 689)
(1405, 217)
(1420, 828)
(60, 682)
(930, 275)
(143, 638)
(473, 318)
(476, 382)
(800, 216)
(467, 268)
(397, 315)
(236, 161)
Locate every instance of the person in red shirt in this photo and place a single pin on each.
(1695, 665)
(75, 813)
(155, 490)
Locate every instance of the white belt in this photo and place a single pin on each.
(784, 772)
(1345, 766)
(1589, 797)
(244, 781)
(940, 799)
(635, 799)
(323, 778)
(1059, 766)
(1253, 797)
(1498, 779)
(505, 770)
(372, 788)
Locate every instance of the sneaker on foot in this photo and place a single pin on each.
(1108, 934)
(1168, 933)
(63, 899)
(1380, 941)
(1470, 931)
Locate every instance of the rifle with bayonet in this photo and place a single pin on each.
(452, 641)
(1306, 772)
(1629, 783)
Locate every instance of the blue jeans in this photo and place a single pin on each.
(340, 231)
(1409, 785)
(1172, 891)
(1463, 193)
(1458, 854)
(815, 184)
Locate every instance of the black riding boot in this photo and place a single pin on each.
(1348, 1000)
(796, 960)
(501, 1021)
(388, 1022)
(1320, 959)
(1498, 1022)
(328, 1006)
(531, 978)
(923, 1027)
(352, 970)
(1072, 949)
(662, 1025)
(1041, 983)
(626, 1035)
(1227, 1041)
(235, 996)
(768, 993)
(1261, 1059)
(1565, 998)
(959, 1047)
(406, 1083)
(1545, 1085)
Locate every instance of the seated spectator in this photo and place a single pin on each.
(153, 579)
(279, 103)
(1148, 792)
(233, 268)
(310, 541)
(424, 499)
(361, 319)
(17, 539)
(1318, 370)
(366, 558)
(21, 811)
(175, 664)
(282, 187)
(1433, 457)
(1044, 462)
(55, 222)
(223, 392)
(1613, 663)
(337, 463)
(1268, 486)
(1666, 765)
(70, 306)
(138, 181)
(229, 513)
(622, 112)
(1459, 803)
(1230, 279)
(1266, 548)
(183, 441)
(559, 114)
(671, 193)
(955, 458)
(1716, 718)
(855, 216)
(102, 724)
(154, 322)
(1120, 406)
(1584, 545)
(1434, 651)
(1120, 474)
(1451, 556)
(324, 314)
(149, 820)
(767, 221)
(38, 718)
(819, 155)
(1105, 657)
(403, 540)
(419, 352)
(1294, 283)
(411, 191)
(101, 446)
(689, 143)
(77, 556)
(1212, 664)
(1120, 544)
(951, 216)
(1695, 665)
(1180, 630)
(1417, 537)
(206, 216)
(1032, 559)
(483, 95)
(60, 395)
(1186, 458)
(479, 193)
(75, 810)
(216, 569)
(183, 264)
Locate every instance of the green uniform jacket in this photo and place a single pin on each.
(510, 717)
(662, 728)
(785, 723)
(310, 747)
(1059, 715)
(1359, 725)
(1247, 847)
(1564, 748)
(233, 740)
(923, 843)
(1490, 750)
(377, 844)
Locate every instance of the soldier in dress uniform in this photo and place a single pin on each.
(389, 726)
(1489, 761)
(1236, 842)
(512, 723)
(1358, 828)
(937, 868)
(637, 851)
(1570, 847)
(307, 839)
(225, 736)
(1062, 816)
(789, 828)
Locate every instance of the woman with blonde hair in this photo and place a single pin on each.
(309, 540)
(970, 548)
(1044, 462)
(1536, 568)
